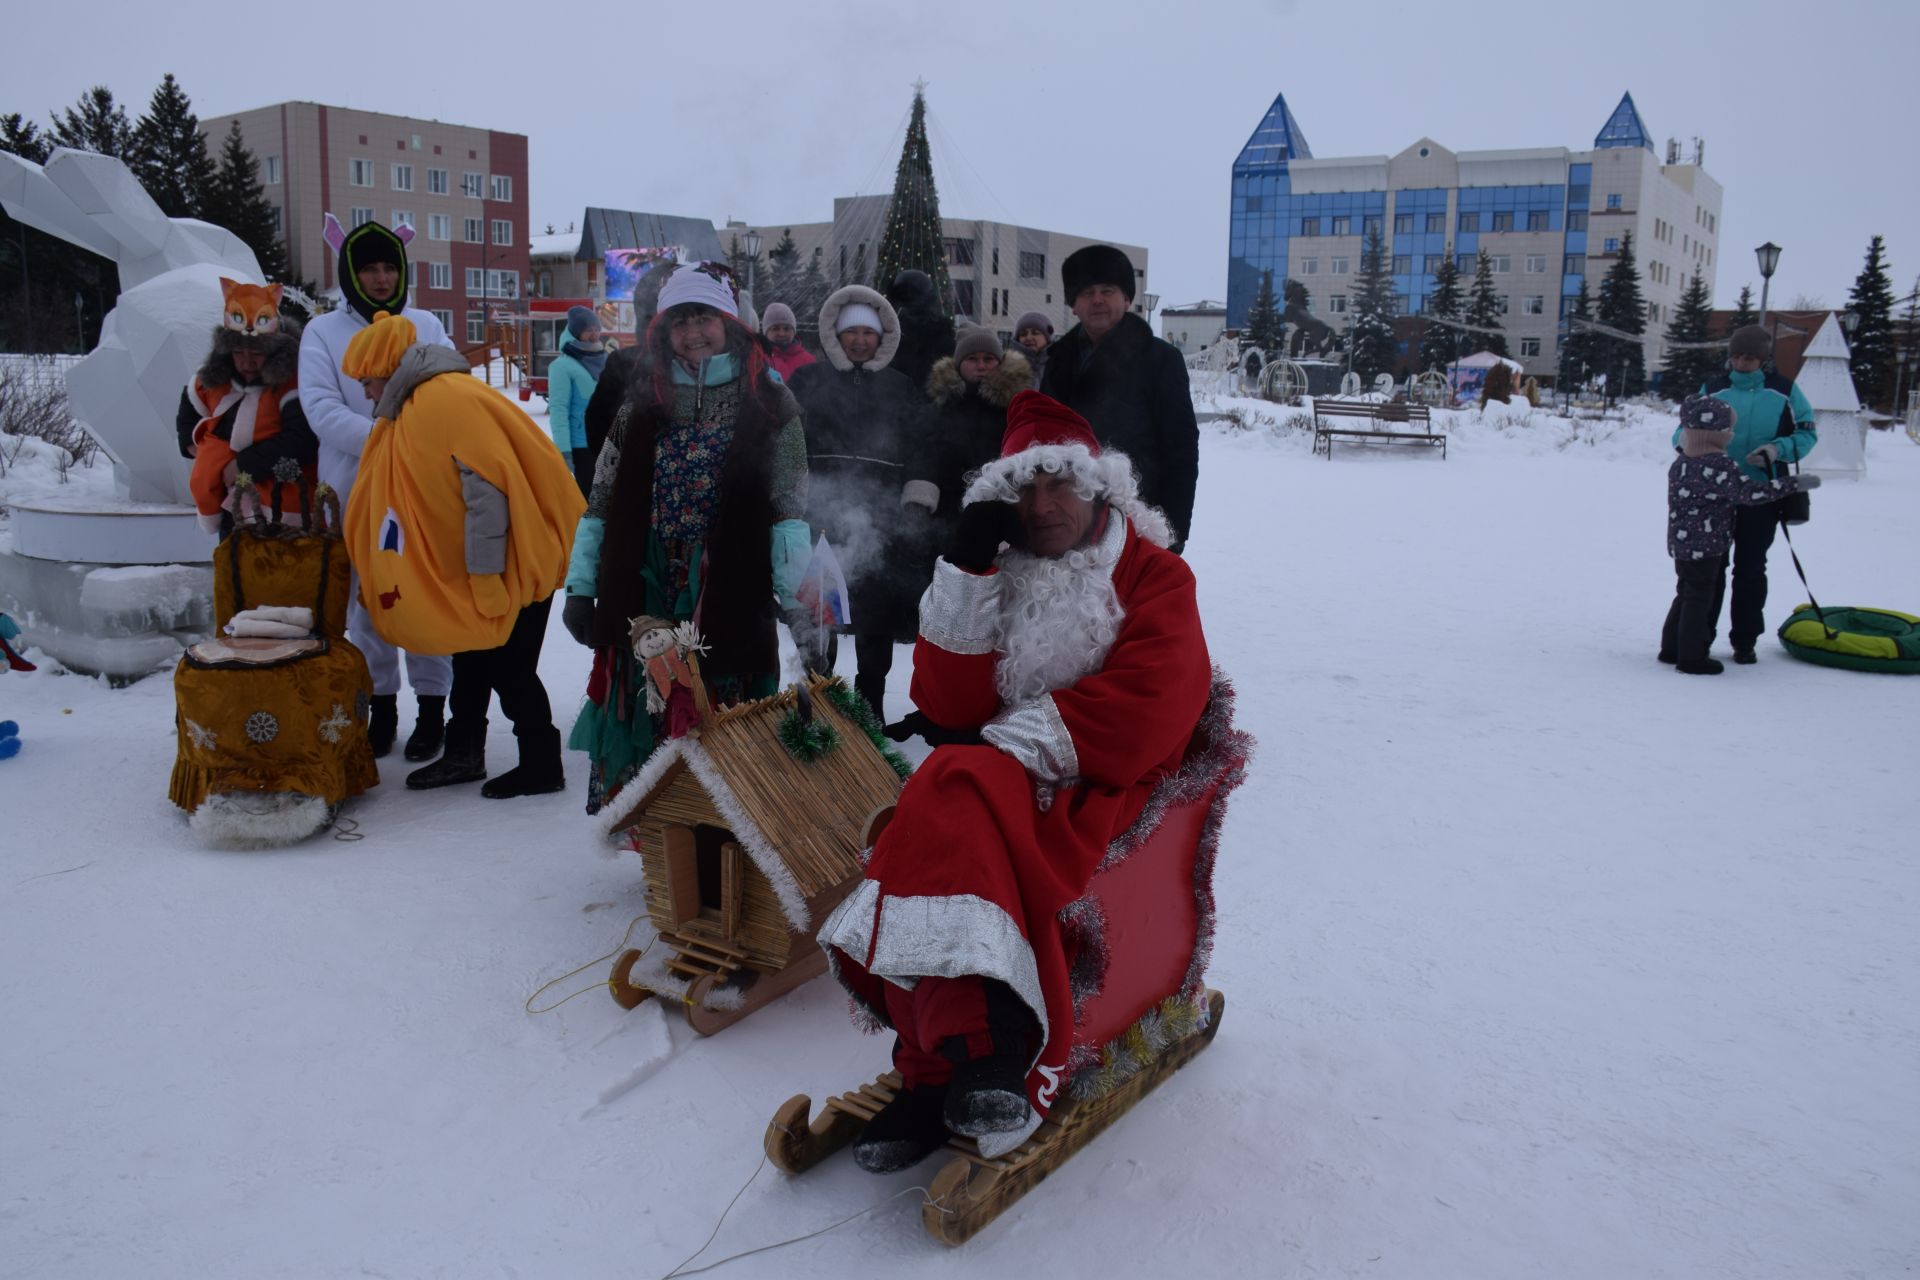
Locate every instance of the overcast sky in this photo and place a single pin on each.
(1098, 118)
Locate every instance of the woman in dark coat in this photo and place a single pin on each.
(969, 391)
(926, 331)
(871, 484)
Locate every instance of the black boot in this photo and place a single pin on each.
(988, 1093)
(464, 760)
(1701, 667)
(383, 724)
(905, 1132)
(538, 773)
(429, 728)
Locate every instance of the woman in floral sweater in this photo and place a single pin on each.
(696, 512)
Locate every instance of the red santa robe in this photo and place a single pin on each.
(988, 843)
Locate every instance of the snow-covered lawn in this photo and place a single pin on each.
(1540, 959)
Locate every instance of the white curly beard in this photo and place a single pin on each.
(1058, 616)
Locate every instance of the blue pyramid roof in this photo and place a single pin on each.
(1277, 140)
(1623, 128)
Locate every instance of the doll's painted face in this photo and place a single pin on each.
(654, 643)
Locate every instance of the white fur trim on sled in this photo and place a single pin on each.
(259, 819)
(619, 812)
(1108, 477)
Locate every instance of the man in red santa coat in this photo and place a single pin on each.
(1076, 657)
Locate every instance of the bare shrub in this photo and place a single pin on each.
(33, 405)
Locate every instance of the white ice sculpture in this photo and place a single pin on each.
(1826, 380)
(126, 391)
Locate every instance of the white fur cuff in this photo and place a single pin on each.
(923, 493)
(960, 611)
(1033, 733)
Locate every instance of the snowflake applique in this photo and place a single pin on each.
(1686, 493)
(262, 727)
(336, 724)
(201, 736)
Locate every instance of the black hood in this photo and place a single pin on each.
(368, 243)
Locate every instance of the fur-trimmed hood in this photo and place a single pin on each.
(838, 301)
(945, 386)
(282, 348)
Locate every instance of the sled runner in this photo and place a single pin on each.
(1141, 1011)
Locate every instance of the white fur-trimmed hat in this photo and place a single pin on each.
(704, 283)
(1044, 435)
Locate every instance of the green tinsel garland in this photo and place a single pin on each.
(855, 708)
(809, 740)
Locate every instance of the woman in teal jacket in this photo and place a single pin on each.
(570, 381)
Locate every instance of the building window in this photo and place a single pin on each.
(1309, 226)
(1337, 304)
(1536, 262)
(1577, 220)
(470, 184)
(1502, 262)
(471, 231)
(436, 182)
(1437, 222)
(1536, 220)
(413, 274)
(1339, 266)
(1343, 226)
(402, 218)
(1574, 264)
(476, 282)
(1309, 266)
(279, 218)
(440, 275)
(360, 216)
(959, 251)
(1402, 264)
(1370, 225)
(503, 284)
(1534, 305)
(1613, 245)
(1613, 200)
(502, 187)
(1503, 222)
(996, 259)
(1033, 266)
(502, 231)
(273, 171)
(445, 318)
(1529, 346)
(1653, 312)
(403, 177)
(1500, 303)
(1469, 222)
(439, 226)
(1431, 263)
(1403, 224)
(476, 326)
(360, 173)
(963, 300)
(1467, 262)
(1255, 204)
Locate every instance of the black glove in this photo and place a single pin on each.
(982, 528)
(576, 615)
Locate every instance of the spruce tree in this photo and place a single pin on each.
(94, 123)
(1263, 320)
(812, 295)
(1576, 352)
(1440, 345)
(22, 137)
(912, 238)
(1483, 311)
(1370, 334)
(1309, 331)
(169, 153)
(1688, 365)
(1743, 312)
(782, 281)
(1871, 301)
(1621, 307)
(235, 200)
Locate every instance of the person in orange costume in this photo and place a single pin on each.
(460, 526)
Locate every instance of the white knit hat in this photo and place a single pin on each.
(857, 315)
(699, 282)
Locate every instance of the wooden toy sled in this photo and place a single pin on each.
(1144, 934)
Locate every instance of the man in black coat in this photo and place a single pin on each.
(1130, 385)
(926, 334)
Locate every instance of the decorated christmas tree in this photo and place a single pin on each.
(911, 238)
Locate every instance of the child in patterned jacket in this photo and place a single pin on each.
(1704, 485)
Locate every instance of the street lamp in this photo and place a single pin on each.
(752, 239)
(1768, 255)
(1153, 301)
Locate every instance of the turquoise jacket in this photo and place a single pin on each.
(569, 387)
(1768, 409)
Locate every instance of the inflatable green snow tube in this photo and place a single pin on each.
(1858, 639)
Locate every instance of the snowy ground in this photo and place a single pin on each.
(1540, 959)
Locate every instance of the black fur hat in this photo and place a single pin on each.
(1097, 264)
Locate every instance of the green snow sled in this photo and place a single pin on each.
(1854, 638)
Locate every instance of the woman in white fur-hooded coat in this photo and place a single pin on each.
(871, 486)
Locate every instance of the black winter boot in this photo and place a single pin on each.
(1703, 667)
(1745, 657)
(429, 728)
(988, 1093)
(905, 1132)
(538, 773)
(383, 724)
(464, 760)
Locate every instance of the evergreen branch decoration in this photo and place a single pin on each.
(807, 740)
(855, 708)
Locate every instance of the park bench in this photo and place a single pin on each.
(1394, 422)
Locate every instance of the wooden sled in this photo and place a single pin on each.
(971, 1190)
